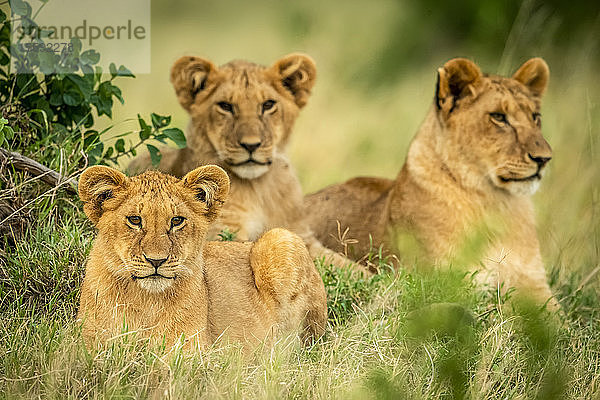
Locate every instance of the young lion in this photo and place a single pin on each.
(242, 116)
(151, 269)
(476, 159)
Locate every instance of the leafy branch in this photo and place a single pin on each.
(158, 130)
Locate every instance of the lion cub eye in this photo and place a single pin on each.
(268, 105)
(135, 220)
(176, 221)
(498, 117)
(537, 118)
(225, 106)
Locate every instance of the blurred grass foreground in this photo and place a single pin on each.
(386, 339)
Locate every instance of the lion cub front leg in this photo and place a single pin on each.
(289, 283)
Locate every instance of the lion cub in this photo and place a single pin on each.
(242, 117)
(472, 166)
(151, 269)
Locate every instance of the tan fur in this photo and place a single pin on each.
(161, 278)
(265, 193)
(465, 170)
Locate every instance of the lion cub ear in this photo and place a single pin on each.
(456, 79)
(535, 75)
(296, 73)
(189, 76)
(210, 185)
(97, 184)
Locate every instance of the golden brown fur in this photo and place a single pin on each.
(151, 269)
(242, 115)
(476, 159)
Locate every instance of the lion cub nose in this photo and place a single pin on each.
(156, 262)
(250, 146)
(540, 161)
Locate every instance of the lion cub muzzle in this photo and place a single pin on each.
(538, 150)
(154, 274)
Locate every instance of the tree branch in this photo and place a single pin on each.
(46, 174)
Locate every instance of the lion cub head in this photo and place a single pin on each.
(151, 227)
(245, 111)
(491, 125)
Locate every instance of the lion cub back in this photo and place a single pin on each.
(259, 289)
(358, 205)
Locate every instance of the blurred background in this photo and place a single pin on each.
(377, 64)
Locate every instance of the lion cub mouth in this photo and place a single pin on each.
(526, 179)
(153, 276)
(249, 161)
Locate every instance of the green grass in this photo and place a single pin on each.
(384, 340)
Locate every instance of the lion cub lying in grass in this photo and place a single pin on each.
(151, 269)
(472, 166)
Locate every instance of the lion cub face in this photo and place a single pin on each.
(494, 125)
(245, 110)
(152, 226)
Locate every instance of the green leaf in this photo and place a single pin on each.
(113, 70)
(82, 84)
(155, 155)
(159, 121)
(97, 150)
(3, 121)
(177, 136)
(8, 132)
(102, 99)
(89, 57)
(2, 16)
(120, 145)
(144, 135)
(109, 152)
(145, 129)
(5, 35)
(1, 138)
(55, 98)
(76, 46)
(97, 74)
(117, 93)
(48, 62)
(161, 138)
(72, 96)
(133, 151)
(4, 58)
(125, 72)
(19, 7)
(87, 70)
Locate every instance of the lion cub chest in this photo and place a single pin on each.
(257, 205)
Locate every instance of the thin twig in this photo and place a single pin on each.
(46, 174)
